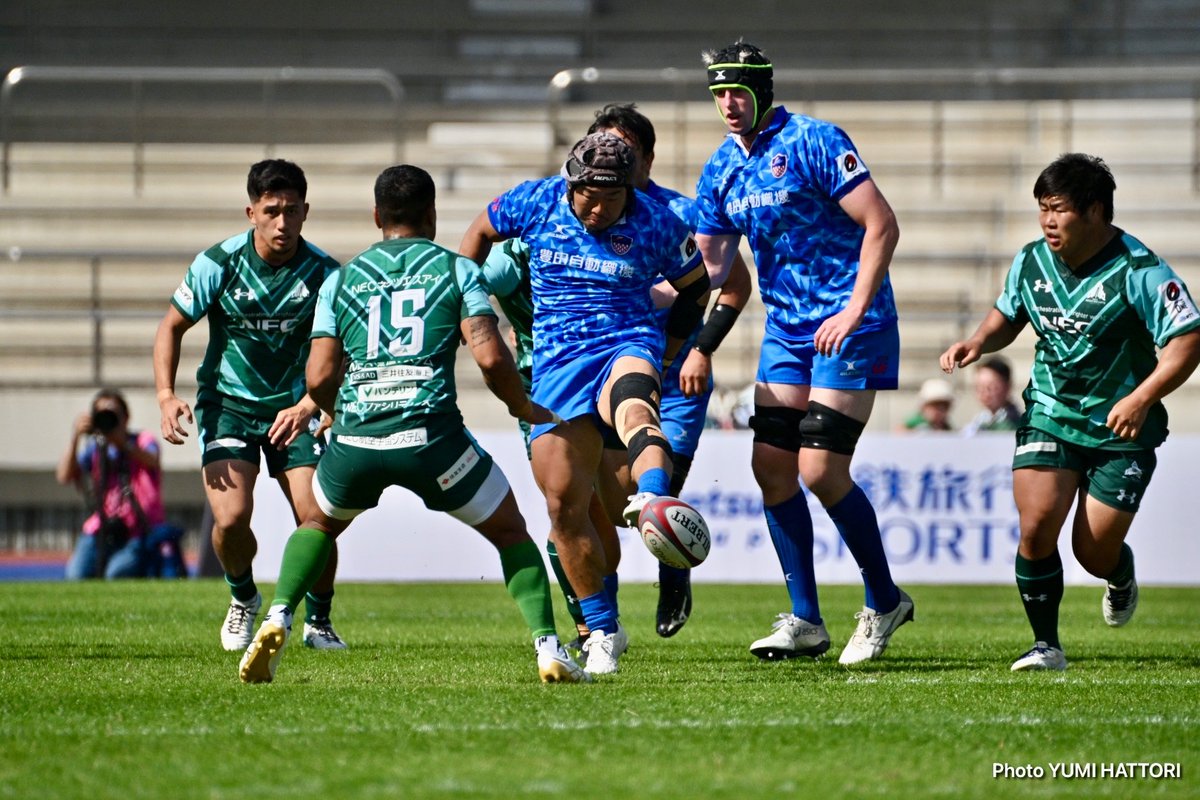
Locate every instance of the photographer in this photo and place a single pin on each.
(118, 471)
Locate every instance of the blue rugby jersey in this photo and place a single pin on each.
(783, 197)
(592, 291)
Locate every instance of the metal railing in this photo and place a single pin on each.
(1064, 85)
(136, 79)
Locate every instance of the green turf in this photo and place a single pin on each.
(121, 690)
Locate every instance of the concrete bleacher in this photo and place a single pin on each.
(964, 207)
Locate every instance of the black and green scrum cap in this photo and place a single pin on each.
(724, 72)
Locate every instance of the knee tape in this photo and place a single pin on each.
(647, 437)
(826, 429)
(635, 388)
(778, 426)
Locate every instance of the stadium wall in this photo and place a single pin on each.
(944, 503)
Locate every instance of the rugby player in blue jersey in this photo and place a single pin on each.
(822, 236)
(687, 384)
(597, 245)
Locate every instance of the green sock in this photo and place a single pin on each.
(304, 558)
(1124, 571)
(526, 580)
(573, 607)
(318, 605)
(1040, 583)
(242, 587)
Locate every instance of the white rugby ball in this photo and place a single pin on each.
(674, 532)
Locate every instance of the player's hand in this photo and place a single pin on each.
(535, 414)
(324, 425)
(1127, 417)
(288, 424)
(695, 373)
(834, 331)
(172, 408)
(959, 354)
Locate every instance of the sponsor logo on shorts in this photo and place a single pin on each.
(850, 368)
(394, 441)
(227, 442)
(1037, 447)
(448, 479)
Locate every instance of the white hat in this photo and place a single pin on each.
(936, 390)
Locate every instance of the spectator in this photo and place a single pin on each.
(993, 390)
(937, 398)
(119, 473)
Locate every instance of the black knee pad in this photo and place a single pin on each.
(778, 426)
(826, 429)
(647, 437)
(633, 386)
(681, 465)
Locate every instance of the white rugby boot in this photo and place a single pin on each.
(792, 636)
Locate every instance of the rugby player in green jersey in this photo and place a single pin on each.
(259, 290)
(1101, 304)
(394, 315)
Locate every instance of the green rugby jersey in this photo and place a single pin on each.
(259, 318)
(506, 275)
(397, 307)
(1097, 330)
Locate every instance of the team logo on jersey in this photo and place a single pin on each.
(1179, 306)
(778, 165)
(850, 165)
(1134, 472)
(300, 293)
(1097, 295)
(621, 244)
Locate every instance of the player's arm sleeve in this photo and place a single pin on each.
(199, 288)
(1009, 302)
(474, 297)
(1162, 300)
(501, 273)
(708, 212)
(830, 160)
(507, 213)
(325, 316)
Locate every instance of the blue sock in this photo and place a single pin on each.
(791, 530)
(854, 518)
(611, 586)
(599, 613)
(654, 480)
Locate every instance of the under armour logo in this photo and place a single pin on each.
(243, 294)
(1041, 286)
(719, 76)
(1041, 598)
(1124, 496)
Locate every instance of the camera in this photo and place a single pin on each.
(104, 421)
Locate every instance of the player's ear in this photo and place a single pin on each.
(378, 221)
(250, 213)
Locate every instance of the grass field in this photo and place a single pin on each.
(121, 690)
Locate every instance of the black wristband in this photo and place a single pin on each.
(718, 325)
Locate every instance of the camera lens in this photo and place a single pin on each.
(104, 420)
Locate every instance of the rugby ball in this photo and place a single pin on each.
(674, 532)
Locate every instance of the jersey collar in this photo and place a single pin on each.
(778, 120)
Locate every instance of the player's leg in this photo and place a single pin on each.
(524, 572)
(628, 404)
(1117, 481)
(229, 487)
(775, 463)
(565, 463)
(297, 484)
(1044, 496)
